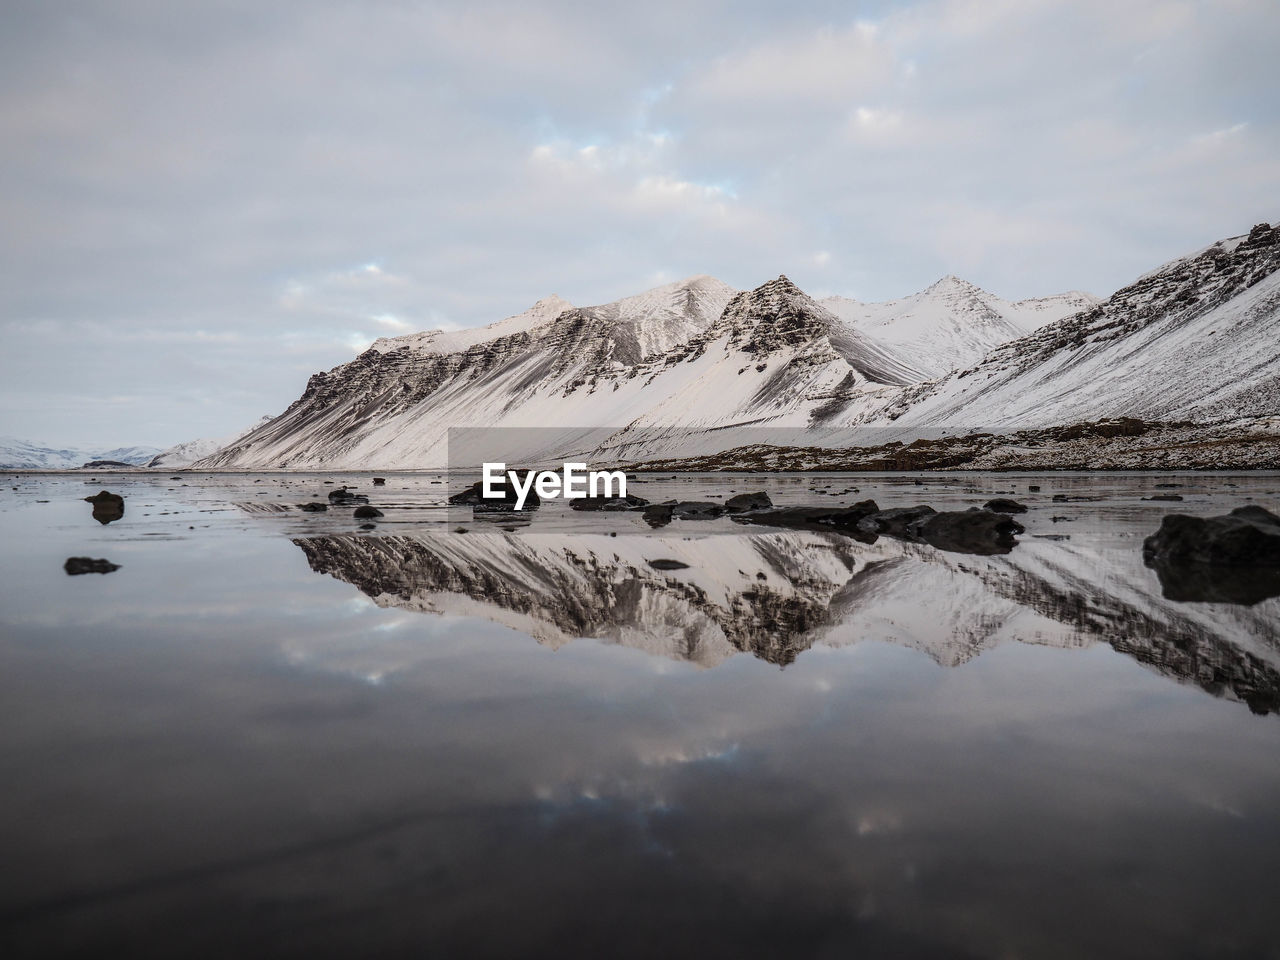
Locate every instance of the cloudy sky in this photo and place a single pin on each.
(202, 204)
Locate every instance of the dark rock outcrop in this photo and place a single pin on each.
(756, 500)
(896, 522)
(696, 510)
(314, 507)
(983, 532)
(473, 495)
(106, 506)
(1228, 559)
(344, 497)
(629, 502)
(78, 565)
(1002, 505)
(844, 519)
(366, 512)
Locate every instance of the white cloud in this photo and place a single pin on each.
(283, 193)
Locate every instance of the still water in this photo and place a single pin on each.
(273, 733)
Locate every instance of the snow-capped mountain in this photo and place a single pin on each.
(667, 373)
(185, 454)
(952, 323)
(18, 454)
(690, 354)
(1197, 339)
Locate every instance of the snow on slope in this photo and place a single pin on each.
(672, 357)
(18, 454)
(953, 324)
(451, 341)
(668, 372)
(1197, 339)
(187, 453)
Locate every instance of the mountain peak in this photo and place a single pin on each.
(952, 284)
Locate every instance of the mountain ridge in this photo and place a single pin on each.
(1192, 340)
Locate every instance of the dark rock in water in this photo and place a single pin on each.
(982, 532)
(1062, 519)
(78, 565)
(629, 502)
(175, 478)
(368, 526)
(1167, 486)
(473, 496)
(844, 519)
(314, 507)
(106, 506)
(344, 497)
(379, 481)
(668, 565)
(696, 510)
(1033, 488)
(756, 500)
(896, 522)
(366, 512)
(658, 514)
(1227, 559)
(1247, 535)
(1169, 497)
(1000, 505)
(1052, 536)
(1064, 498)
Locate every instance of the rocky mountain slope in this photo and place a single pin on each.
(688, 355)
(1197, 339)
(952, 323)
(684, 369)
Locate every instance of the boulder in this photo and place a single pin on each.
(106, 506)
(379, 481)
(844, 519)
(474, 496)
(756, 500)
(313, 507)
(983, 532)
(1245, 536)
(659, 514)
(1001, 505)
(629, 502)
(1227, 559)
(696, 510)
(345, 497)
(366, 512)
(895, 522)
(78, 565)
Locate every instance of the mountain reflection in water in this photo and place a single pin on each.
(775, 595)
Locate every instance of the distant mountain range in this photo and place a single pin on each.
(25, 455)
(682, 370)
(1196, 340)
(184, 454)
